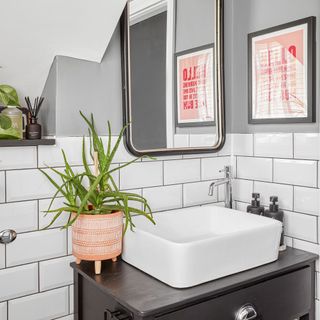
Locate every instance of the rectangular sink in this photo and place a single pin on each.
(191, 246)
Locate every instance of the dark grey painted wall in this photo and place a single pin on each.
(253, 15)
(148, 75)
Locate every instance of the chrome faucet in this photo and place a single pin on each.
(227, 181)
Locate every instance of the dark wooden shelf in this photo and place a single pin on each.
(25, 143)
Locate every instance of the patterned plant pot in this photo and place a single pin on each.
(97, 238)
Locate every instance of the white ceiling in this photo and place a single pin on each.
(33, 32)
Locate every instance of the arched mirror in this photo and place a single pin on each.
(173, 78)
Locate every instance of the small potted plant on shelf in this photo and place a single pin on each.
(11, 123)
(96, 206)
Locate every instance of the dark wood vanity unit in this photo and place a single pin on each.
(283, 290)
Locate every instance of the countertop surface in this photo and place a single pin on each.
(145, 295)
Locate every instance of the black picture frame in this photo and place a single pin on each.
(311, 73)
(176, 106)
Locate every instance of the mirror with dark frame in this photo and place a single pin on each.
(173, 76)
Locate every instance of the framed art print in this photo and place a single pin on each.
(195, 87)
(282, 73)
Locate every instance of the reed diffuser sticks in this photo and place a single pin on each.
(35, 108)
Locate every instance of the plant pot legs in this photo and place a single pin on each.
(78, 261)
(114, 259)
(97, 267)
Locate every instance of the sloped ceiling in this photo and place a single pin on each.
(33, 32)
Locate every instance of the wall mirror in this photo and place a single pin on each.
(173, 76)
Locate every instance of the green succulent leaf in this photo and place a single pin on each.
(86, 193)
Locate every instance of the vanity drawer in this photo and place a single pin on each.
(282, 298)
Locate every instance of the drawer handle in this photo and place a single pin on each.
(246, 312)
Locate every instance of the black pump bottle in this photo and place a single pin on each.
(255, 207)
(277, 214)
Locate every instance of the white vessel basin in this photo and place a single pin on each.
(191, 246)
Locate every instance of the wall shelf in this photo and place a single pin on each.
(25, 143)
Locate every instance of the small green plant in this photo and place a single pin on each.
(8, 96)
(86, 193)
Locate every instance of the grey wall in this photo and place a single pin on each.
(195, 21)
(148, 40)
(87, 86)
(254, 15)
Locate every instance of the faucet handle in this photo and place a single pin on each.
(226, 169)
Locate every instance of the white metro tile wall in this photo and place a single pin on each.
(20, 216)
(46, 305)
(273, 145)
(211, 167)
(10, 158)
(18, 281)
(254, 168)
(307, 200)
(296, 172)
(167, 183)
(3, 311)
(307, 146)
(181, 171)
(36, 246)
(2, 187)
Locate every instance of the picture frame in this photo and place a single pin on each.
(194, 87)
(281, 73)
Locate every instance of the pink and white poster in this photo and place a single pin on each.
(195, 93)
(279, 74)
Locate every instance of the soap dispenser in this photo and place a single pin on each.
(274, 213)
(255, 206)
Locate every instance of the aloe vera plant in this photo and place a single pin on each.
(93, 194)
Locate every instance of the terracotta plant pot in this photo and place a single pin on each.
(97, 238)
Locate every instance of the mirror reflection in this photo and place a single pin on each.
(172, 73)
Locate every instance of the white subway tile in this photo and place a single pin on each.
(18, 158)
(254, 168)
(19, 216)
(55, 273)
(3, 311)
(42, 306)
(278, 145)
(202, 140)
(71, 298)
(301, 226)
(122, 154)
(28, 185)
(307, 146)
(307, 200)
(306, 246)
(2, 257)
(181, 140)
(197, 194)
(288, 241)
(69, 236)
(210, 167)
(180, 171)
(297, 172)
(19, 281)
(226, 150)
(242, 144)
(2, 187)
(242, 190)
(45, 219)
(52, 155)
(284, 193)
(164, 198)
(241, 206)
(37, 246)
(141, 175)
